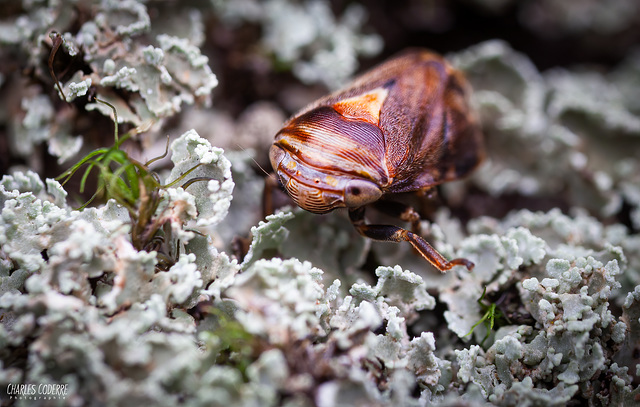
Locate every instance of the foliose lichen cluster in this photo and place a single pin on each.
(549, 316)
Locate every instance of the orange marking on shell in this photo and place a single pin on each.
(291, 165)
(364, 107)
(331, 181)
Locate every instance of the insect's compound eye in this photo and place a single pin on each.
(359, 192)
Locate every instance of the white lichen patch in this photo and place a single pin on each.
(310, 335)
(195, 158)
(221, 307)
(294, 29)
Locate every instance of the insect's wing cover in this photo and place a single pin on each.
(432, 136)
(429, 133)
(465, 146)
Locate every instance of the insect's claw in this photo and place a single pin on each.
(462, 262)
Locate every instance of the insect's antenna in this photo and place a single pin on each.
(253, 159)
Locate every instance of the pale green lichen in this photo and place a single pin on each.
(285, 309)
(110, 38)
(77, 89)
(121, 79)
(34, 127)
(305, 317)
(332, 235)
(267, 236)
(555, 118)
(284, 303)
(294, 29)
(213, 195)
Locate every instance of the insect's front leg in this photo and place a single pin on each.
(400, 211)
(271, 185)
(390, 233)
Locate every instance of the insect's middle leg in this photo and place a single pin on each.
(390, 233)
(400, 211)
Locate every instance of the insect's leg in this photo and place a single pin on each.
(401, 211)
(390, 233)
(270, 186)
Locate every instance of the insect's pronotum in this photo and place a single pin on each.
(404, 126)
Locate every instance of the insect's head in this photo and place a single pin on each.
(321, 164)
(317, 191)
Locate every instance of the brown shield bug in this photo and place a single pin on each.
(404, 126)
